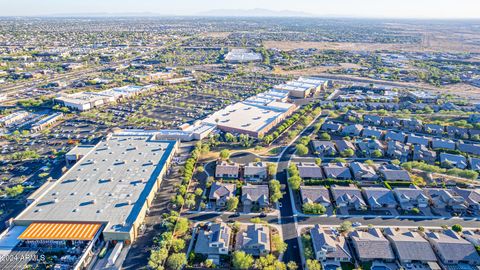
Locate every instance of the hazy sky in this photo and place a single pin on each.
(355, 8)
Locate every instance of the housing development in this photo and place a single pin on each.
(150, 142)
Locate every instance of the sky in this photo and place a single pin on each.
(423, 9)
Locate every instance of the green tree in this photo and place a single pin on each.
(275, 190)
(291, 265)
(345, 227)
(157, 257)
(232, 204)
(347, 153)
(457, 228)
(241, 260)
(198, 192)
(182, 226)
(269, 262)
(272, 169)
(278, 244)
(314, 208)
(324, 137)
(14, 191)
(294, 182)
(377, 153)
(178, 244)
(318, 161)
(176, 261)
(224, 154)
(302, 150)
(313, 265)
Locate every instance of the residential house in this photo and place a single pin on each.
(367, 147)
(379, 197)
(372, 132)
(452, 249)
(214, 239)
(418, 140)
(343, 145)
(363, 172)
(392, 122)
(398, 150)
(457, 132)
(326, 148)
(410, 246)
(392, 172)
(412, 125)
(255, 240)
(350, 197)
(255, 171)
(468, 148)
(395, 136)
(472, 199)
(422, 153)
(337, 171)
(474, 134)
(433, 129)
(446, 199)
(371, 245)
(329, 246)
(474, 164)
(472, 237)
(352, 130)
(309, 170)
(315, 194)
(254, 196)
(331, 127)
(225, 169)
(409, 198)
(372, 120)
(451, 160)
(443, 144)
(220, 193)
(352, 116)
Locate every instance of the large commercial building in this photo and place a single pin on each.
(303, 87)
(243, 56)
(46, 121)
(254, 116)
(13, 118)
(85, 101)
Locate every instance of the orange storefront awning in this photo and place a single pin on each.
(60, 231)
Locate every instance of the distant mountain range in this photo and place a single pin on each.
(210, 13)
(254, 13)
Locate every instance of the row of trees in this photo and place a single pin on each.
(244, 261)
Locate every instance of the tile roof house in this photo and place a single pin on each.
(457, 132)
(227, 170)
(445, 199)
(352, 130)
(331, 127)
(324, 147)
(372, 132)
(474, 164)
(309, 170)
(392, 172)
(372, 120)
(418, 140)
(363, 172)
(453, 249)
(221, 192)
(392, 122)
(214, 240)
(472, 199)
(434, 129)
(410, 246)
(315, 194)
(412, 124)
(398, 150)
(472, 237)
(369, 146)
(328, 246)
(337, 171)
(408, 198)
(443, 144)
(395, 136)
(451, 160)
(422, 153)
(379, 197)
(343, 145)
(254, 195)
(371, 245)
(255, 171)
(469, 148)
(350, 197)
(255, 240)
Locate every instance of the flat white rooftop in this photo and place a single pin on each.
(109, 184)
